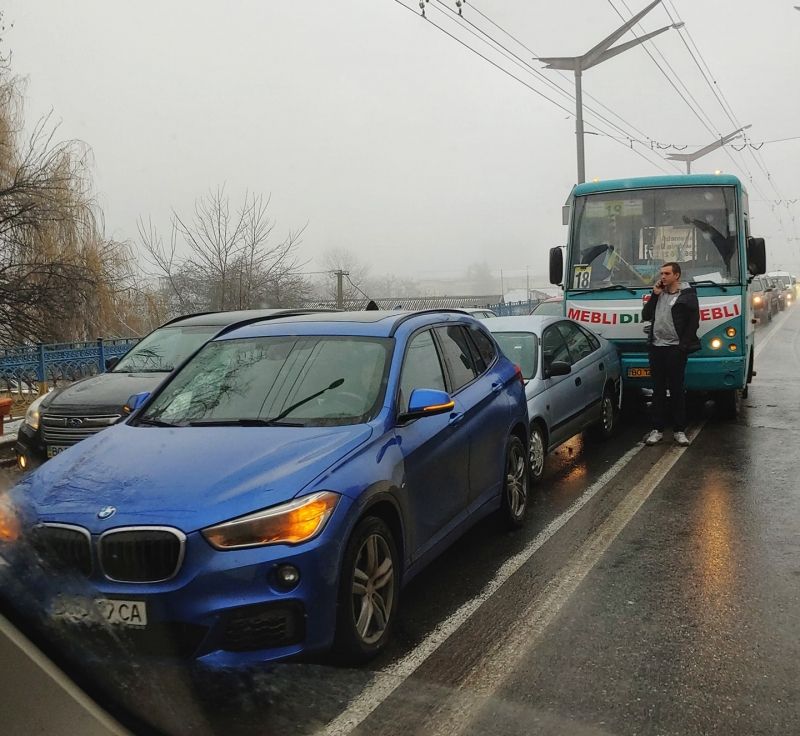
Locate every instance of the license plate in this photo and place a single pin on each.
(101, 610)
(53, 450)
(123, 613)
(638, 372)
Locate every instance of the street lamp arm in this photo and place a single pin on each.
(559, 62)
(610, 53)
(707, 149)
(590, 58)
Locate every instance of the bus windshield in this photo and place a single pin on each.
(620, 239)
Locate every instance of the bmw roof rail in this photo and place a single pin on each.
(418, 312)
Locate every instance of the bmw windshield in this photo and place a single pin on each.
(620, 239)
(307, 381)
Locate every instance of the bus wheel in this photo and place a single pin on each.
(727, 403)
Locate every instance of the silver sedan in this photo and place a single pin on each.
(572, 379)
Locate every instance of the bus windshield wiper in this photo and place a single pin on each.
(610, 287)
(243, 422)
(707, 282)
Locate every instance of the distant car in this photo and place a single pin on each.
(787, 289)
(777, 294)
(64, 416)
(764, 303)
(480, 313)
(554, 306)
(271, 498)
(572, 380)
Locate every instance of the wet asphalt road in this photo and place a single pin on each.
(669, 603)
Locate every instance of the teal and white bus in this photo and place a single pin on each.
(622, 231)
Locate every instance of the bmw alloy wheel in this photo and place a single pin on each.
(373, 588)
(516, 482)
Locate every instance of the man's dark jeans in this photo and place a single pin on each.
(668, 366)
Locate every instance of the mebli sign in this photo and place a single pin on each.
(622, 318)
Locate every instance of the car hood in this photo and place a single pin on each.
(188, 477)
(104, 391)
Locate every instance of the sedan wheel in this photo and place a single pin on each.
(536, 454)
(368, 591)
(608, 417)
(515, 485)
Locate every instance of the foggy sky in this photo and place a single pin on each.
(384, 135)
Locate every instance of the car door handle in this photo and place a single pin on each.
(497, 386)
(455, 419)
(578, 381)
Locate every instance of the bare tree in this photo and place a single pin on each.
(231, 261)
(60, 278)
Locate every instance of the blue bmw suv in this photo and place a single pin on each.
(277, 492)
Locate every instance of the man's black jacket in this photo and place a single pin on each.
(685, 315)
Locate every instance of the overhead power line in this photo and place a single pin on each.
(522, 81)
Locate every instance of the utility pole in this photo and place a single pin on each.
(594, 56)
(340, 274)
(689, 157)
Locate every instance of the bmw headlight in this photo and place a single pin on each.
(9, 522)
(289, 523)
(32, 416)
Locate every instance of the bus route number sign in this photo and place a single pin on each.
(581, 277)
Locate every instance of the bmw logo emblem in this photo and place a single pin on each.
(106, 512)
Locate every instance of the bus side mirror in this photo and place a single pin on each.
(756, 256)
(556, 265)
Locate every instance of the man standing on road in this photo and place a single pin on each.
(675, 313)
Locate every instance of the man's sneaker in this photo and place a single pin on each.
(654, 437)
(681, 438)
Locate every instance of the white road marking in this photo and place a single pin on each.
(524, 634)
(389, 679)
(776, 326)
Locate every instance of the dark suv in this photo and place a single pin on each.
(67, 415)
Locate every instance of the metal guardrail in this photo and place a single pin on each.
(510, 309)
(26, 370)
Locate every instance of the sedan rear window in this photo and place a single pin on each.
(520, 348)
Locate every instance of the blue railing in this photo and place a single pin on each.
(22, 368)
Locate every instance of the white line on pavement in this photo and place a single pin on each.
(389, 679)
(525, 632)
(776, 326)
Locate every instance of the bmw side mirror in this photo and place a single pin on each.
(427, 402)
(135, 401)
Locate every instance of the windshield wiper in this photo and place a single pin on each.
(168, 369)
(335, 384)
(155, 422)
(707, 282)
(610, 287)
(243, 422)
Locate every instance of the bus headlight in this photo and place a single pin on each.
(731, 332)
(732, 347)
(716, 343)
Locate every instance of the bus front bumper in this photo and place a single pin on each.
(703, 373)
